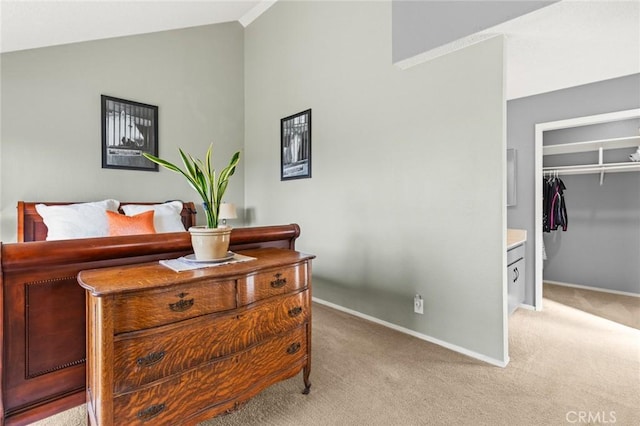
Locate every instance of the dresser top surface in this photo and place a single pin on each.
(143, 276)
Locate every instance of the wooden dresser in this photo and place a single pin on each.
(177, 348)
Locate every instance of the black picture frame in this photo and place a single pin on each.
(129, 129)
(295, 146)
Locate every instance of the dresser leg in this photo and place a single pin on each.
(307, 383)
(307, 389)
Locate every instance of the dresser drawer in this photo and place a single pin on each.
(237, 377)
(143, 357)
(271, 283)
(137, 311)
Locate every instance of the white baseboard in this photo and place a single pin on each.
(585, 287)
(527, 307)
(413, 333)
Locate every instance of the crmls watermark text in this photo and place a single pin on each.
(591, 417)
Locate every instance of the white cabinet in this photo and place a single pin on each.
(515, 276)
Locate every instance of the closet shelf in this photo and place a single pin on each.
(598, 145)
(570, 148)
(594, 168)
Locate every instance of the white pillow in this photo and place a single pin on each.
(166, 217)
(82, 220)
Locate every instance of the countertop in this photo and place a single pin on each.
(515, 237)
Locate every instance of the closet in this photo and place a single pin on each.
(599, 146)
(593, 157)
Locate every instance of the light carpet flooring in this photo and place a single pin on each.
(566, 364)
(623, 310)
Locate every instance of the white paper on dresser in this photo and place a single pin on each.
(180, 265)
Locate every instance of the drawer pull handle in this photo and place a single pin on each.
(149, 360)
(516, 273)
(150, 412)
(295, 347)
(278, 282)
(181, 305)
(294, 312)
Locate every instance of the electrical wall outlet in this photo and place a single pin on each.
(418, 304)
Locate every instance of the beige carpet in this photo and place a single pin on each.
(621, 309)
(566, 364)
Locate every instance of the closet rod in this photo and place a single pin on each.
(594, 168)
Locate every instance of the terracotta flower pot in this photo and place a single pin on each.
(210, 243)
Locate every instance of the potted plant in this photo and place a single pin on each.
(210, 242)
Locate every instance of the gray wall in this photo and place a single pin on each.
(522, 115)
(51, 135)
(407, 193)
(419, 26)
(601, 247)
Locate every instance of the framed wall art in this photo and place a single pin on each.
(295, 146)
(129, 129)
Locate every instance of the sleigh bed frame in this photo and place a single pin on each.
(42, 307)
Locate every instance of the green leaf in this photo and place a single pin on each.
(201, 176)
(161, 162)
(187, 163)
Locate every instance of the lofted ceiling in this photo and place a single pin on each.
(565, 44)
(568, 43)
(33, 24)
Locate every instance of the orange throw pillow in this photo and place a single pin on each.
(120, 224)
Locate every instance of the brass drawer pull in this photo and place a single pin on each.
(295, 347)
(151, 359)
(181, 305)
(278, 282)
(294, 312)
(150, 412)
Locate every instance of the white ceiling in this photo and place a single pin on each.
(569, 43)
(32, 24)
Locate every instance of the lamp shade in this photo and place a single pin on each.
(227, 211)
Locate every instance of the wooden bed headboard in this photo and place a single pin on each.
(32, 228)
